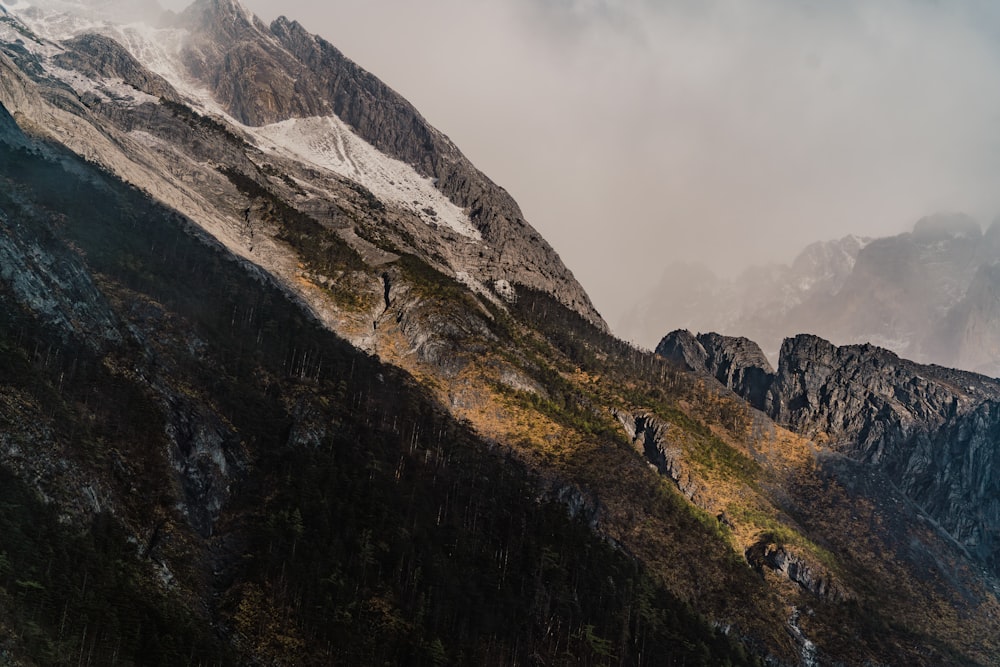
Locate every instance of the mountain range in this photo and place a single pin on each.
(286, 380)
(929, 295)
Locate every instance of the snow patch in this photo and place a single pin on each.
(330, 143)
(57, 21)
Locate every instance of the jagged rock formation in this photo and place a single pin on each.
(765, 553)
(684, 348)
(736, 362)
(648, 435)
(932, 431)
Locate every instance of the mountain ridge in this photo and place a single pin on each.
(930, 429)
(511, 251)
(325, 81)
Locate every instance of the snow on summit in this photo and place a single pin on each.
(325, 142)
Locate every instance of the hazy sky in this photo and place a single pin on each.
(638, 132)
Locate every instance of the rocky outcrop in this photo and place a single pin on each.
(683, 348)
(204, 453)
(10, 133)
(739, 364)
(248, 71)
(930, 430)
(648, 435)
(54, 284)
(736, 362)
(767, 554)
(18, 96)
(861, 396)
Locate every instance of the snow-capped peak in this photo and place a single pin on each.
(326, 142)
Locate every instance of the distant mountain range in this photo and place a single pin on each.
(931, 295)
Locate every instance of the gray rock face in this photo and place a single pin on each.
(55, 285)
(682, 347)
(648, 435)
(263, 75)
(203, 452)
(17, 94)
(10, 133)
(933, 432)
(248, 71)
(859, 396)
(765, 553)
(739, 364)
(736, 362)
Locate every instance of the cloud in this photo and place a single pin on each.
(639, 132)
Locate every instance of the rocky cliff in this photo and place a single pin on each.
(98, 56)
(932, 431)
(280, 90)
(736, 362)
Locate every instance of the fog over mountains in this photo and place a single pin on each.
(930, 295)
(286, 379)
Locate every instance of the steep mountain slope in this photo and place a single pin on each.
(258, 407)
(391, 149)
(928, 295)
(211, 457)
